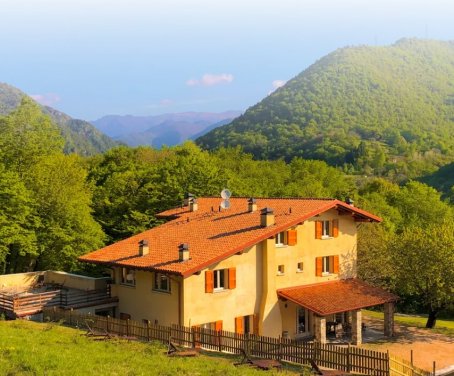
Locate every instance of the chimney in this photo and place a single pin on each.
(349, 201)
(266, 217)
(187, 198)
(143, 248)
(193, 205)
(251, 205)
(183, 252)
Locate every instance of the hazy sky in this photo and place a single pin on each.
(91, 58)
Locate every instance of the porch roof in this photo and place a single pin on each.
(337, 296)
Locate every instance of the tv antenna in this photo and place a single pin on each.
(225, 195)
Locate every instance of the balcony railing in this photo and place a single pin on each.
(28, 303)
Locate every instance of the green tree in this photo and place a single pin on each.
(17, 221)
(424, 259)
(63, 201)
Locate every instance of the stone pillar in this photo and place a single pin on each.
(389, 319)
(357, 327)
(320, 328)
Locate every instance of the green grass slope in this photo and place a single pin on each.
(376, 110)
(80, 136)
(28, 348)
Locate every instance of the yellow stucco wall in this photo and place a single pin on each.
(20, 280)
(244, 300)
(142, 302)
(75, 281)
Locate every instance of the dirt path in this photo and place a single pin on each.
(427, 347)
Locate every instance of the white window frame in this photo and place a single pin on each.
(326, 229)
(280, 239)
(220, 283)
(326, 266)
(126, 273)
(157, 282)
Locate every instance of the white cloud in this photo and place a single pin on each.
(209, 79)
(47, 99)
(278, 83)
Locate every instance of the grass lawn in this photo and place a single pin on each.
(419, 321)
(28, 348)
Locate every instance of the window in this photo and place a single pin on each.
(244, 324)
(327, 229)
(326, 265)
(161, 282)
(299, 267)
(128, 276)
(280, 239)
(220, 279)
(280, 270)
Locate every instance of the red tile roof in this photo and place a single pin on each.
(213, 235)
(337, 296)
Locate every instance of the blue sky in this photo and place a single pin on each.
(91, 58)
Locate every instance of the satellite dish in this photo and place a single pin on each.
(226, 194)
(225, 204)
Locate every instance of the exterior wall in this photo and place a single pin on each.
(305, 251)
(142, 302)
(201, 307)
(21, 281)
(75, 281)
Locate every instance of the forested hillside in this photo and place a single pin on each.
(80, 136)
(385, 111)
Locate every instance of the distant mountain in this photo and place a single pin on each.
(166, 129)
(376, 110)
(80, 136)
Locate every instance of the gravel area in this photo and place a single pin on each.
(427, 347)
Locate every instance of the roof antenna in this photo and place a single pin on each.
(225, 195)
(290, 210)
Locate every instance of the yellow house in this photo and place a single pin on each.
(274, 267)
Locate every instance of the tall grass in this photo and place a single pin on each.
(28, 348)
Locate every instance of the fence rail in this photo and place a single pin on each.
(402, 367)
(350, 359)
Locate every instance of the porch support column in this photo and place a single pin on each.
(356, 327)
(320, 328)
(389, 319)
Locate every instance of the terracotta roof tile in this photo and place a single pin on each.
(212, 235)
(337, 296)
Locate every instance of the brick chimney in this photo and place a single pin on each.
(143, 248)
(183, 252)
(251, 205)
(266, 217)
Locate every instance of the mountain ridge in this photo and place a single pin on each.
(165, 129)
(80, 136)
(372, 110)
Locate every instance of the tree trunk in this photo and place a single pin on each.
(432, 319)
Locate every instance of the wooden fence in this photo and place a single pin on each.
(402, 367)
(350, 359)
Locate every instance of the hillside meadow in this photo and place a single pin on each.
(29, 348)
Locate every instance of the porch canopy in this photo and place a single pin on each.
(331, 297)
